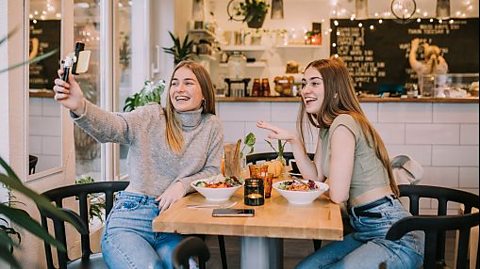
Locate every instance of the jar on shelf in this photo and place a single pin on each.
(257, 87)
(237, 63)
(265, 87)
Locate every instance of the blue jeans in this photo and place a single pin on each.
(367, 248)
(129, 241)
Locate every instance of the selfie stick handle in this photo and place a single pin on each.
(67, 64)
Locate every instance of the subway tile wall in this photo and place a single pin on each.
(45, 132)
(442, 137)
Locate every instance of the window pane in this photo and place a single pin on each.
(87, 30)
(124, 79)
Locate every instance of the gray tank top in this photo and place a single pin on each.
(368, 171)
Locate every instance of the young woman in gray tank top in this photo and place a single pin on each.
(353, 160)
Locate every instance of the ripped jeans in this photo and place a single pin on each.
(367, 248)
(129, 241)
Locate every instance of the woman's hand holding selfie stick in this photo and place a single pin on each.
(67, 91)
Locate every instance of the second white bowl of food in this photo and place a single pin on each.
(217, 188)
(300, 192)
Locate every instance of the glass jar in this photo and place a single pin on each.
(237, 63)
(253, 192)
(265, 87)
(257, 87)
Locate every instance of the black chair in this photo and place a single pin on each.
(32, 163)
(435, 227)
(189, 247)
(268, 156)
(81, 192)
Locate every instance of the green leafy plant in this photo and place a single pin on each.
(248, 142)
(253, 12)
(21, 218)
(96, 201)
(10, 214)
(150, 93)
(180, 50)
(279, 150)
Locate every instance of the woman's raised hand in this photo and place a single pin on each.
(276, 132)
(69, 94)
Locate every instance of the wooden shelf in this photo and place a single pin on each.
(244, 48)
(201, 33)
(298, 46)
(252, 65)
(45, 93)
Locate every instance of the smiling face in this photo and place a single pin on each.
(313, 90)
(185, 91)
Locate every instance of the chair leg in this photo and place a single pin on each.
(223, 254)
(317, 244)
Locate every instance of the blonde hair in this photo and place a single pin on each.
(340, 98)
(174, 136)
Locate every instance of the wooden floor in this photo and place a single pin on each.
(294, 251)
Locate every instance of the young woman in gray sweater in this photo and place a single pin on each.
(168, 148)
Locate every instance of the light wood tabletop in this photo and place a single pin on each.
(275, 219)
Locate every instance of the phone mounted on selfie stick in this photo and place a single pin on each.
(76, 62)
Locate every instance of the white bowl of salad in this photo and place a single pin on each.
(300, 192)
(217, 188)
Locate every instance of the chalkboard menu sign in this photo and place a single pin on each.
(376, 53)
(44, 37)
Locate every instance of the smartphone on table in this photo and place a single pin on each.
(233, 212)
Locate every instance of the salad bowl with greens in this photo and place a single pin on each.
(217, 188)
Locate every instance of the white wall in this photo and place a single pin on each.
(45, 134)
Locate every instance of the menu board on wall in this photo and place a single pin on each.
(376, 53)
(44, 37)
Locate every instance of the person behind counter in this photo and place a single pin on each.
(352, 157)
(168, 148)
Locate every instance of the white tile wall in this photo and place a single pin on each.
(468, 177)
(455, 113)
(45, 132)
(443, 137)
(455, 155)
(436, 134)
(405, 112)
(469, 134)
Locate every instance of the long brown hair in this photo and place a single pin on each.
(173, 130)
(340, 98)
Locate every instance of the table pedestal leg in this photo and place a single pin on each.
(261, 253)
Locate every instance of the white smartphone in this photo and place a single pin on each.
(233, 212)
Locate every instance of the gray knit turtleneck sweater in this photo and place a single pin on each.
(152, 166)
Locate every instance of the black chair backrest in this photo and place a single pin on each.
(191, 246)
(81, 192)
(435, 227)
(32, 163)
(268, 156)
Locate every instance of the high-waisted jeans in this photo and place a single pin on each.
(129, 241)
(367, 248)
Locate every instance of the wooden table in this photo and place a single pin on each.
(262, 235)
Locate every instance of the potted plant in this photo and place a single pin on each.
(253, 12)
(180, 50)
(150, 93)
(96, 202)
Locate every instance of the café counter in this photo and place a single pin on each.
(362, 99)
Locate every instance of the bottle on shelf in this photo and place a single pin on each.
(265, 87)
(257, 87)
